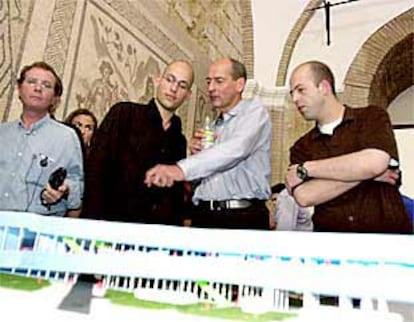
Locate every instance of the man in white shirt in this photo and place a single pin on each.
(34, 146)
(235, 172)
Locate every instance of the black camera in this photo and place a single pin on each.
(57, 177)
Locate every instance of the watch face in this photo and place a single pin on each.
(302, 172)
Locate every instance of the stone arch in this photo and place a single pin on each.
(292, 39)
(378, 72)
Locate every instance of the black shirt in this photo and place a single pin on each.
(131, 140)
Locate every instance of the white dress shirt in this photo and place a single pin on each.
(238, 165)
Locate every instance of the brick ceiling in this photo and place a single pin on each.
(395, 73)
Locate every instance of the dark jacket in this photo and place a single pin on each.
(131, 140)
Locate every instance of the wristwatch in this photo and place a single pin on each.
(302, 172)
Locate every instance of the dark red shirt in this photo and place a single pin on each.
(371, 206)
(131, 140)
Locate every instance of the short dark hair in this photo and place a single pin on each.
(45, 66)
(82, 111)
(238, 70)
(320, 72)
(277, 188)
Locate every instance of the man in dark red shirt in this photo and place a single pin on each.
(341, 165)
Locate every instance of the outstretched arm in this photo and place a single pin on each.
(163, 175)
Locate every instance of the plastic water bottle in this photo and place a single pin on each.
(208, 134)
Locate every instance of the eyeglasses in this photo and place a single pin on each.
(172, 80)
(43, 83)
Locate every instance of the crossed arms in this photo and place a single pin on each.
(332, 177)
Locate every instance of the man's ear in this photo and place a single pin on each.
(188, 95)
(55, 105)
(18, 91)
(57, 102)
(240, 84)
(325, 87)
(157, 80)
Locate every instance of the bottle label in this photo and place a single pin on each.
(208, 139)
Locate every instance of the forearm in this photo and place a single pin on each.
(252, 133)
(362, 165)
(75, 174)
(75, 192)
(73, 213)
(317, 191)
(75, 180)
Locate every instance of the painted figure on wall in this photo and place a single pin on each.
(103, 92)
(149, 90)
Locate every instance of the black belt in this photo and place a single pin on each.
(227, 204)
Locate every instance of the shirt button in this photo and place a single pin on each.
(13, 174)
(19, 154)
(351, 218)
(6, 194)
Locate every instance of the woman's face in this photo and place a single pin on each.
(86, 126)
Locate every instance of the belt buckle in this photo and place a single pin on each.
(217, 205)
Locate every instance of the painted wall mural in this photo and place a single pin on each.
(14, 18)
(123, 66)
(107, 51)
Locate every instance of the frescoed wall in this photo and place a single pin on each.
(107, 51)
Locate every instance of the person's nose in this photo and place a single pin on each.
(295, 97)
(211, 87)
(37, 87)
(174, 86)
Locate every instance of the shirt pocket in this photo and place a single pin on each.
(37, 175)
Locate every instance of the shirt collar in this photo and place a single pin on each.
(349, 116)
(35, 125)
(235, 110)
(232, 113)
(155, 115)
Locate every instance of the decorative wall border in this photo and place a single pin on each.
(248, 36)
(15, 65)
(60, 29)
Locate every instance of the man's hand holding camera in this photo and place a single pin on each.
(56, 188)
(51, 196)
